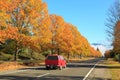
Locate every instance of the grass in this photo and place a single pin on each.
(5, 66)
(114, 68)
(11, 65)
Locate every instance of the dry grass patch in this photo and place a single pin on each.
(114, 68)
(10, 66)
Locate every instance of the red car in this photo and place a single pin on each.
(55, 61)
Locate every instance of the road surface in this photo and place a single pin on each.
(74, 71)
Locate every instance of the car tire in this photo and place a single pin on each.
(60, 68)
(47, 67)
(65, 66)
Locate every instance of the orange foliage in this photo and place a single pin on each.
(67, 39)
(29, 24)
(95, 53)
(107, 54)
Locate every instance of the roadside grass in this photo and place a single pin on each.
(5, 66)
(114, 68)
(12, 65)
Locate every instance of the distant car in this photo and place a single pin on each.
(55, 61)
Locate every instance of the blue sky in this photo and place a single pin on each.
(89, 16)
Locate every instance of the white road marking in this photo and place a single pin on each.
(43, 75)
(90, 71)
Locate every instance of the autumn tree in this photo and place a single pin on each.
(77, 44)
(28, 24)
(67, 40)
(62, 37)
(95, 53)
(27, 17)
(116, 42)
(112, 24)
(107, 53)
(57, 26)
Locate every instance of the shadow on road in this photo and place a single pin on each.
(90, 64)
(84, 64)
(50, 77)
(16, 78)
(33, 68)
(98, 78)
(87, 61)
(79, 64)
(74, 64)
(110, 67)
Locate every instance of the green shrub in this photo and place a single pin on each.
(37, 56)
(31, 62)
(24, 56)
(33, 56)
(45, 53)
(116, 57)
(5, 57)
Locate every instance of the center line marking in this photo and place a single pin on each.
(43, 75)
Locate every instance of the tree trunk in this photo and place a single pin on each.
(68, 56)
(80, 56)
(16, 51)
(52, 50)
(58, 51)
(16, 54)
(31, 53)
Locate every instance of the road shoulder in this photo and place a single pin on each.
(101, 72)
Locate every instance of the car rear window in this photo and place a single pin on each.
(52, 58)
(60, 57)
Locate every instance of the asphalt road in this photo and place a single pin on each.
(74, 71)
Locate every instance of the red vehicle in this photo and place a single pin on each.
(55, 61)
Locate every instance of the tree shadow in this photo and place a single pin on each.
(109, 67)
(17, 78)
(50, 77)
(74, 64)
(98, 78)
(87, 61)
(77, 64)
(90, 64)
(38, 68)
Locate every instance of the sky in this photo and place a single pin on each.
(89, 16)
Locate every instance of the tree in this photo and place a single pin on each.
(113, 18)
(29, 17)
(95, 53)
(57, 26)
(112, 24)
(116, 42)
(67, 40)
(98, 49)
(77, 44)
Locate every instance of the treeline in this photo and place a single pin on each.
(115, 52)
(113, 30)
(27, 27)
